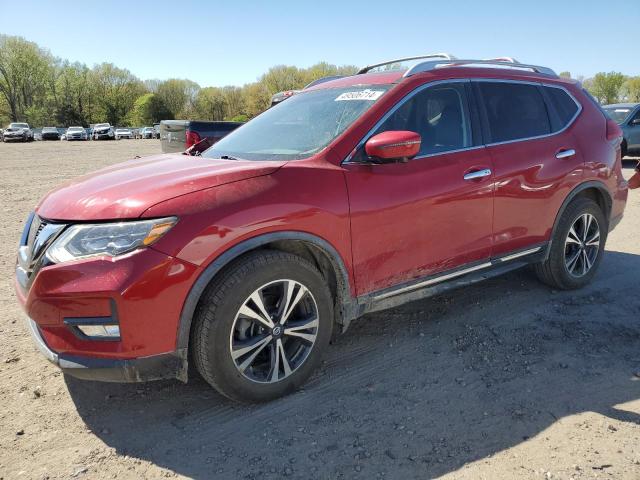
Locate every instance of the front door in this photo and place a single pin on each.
(431, 214)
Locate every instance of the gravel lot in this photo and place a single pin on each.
(505, 379)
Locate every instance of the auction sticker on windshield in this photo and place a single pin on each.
(360, 95)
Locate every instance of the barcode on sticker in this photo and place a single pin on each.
(360, 95)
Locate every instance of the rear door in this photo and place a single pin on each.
(535, 155)
(434, 212)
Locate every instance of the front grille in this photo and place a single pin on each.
(37, 237)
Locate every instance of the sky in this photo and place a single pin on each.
(233, 43)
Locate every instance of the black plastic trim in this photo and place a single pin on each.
(347, 302)
(143, 369)
(572, 194)
(487, 268)
(74, 322)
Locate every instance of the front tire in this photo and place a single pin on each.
(262, 326)
(577, 246)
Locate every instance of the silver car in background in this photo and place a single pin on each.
(17, 131)
(123, 133)
(76, 133)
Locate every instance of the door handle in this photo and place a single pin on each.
(485, 172)
(570, 152)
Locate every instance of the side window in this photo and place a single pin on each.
(439, 114)
(563, 104)
(636, 117)
(514, 110)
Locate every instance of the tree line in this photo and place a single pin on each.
(41, 89)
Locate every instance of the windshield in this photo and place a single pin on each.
(19, 125)
(618, 114)
(75, 129)
(102, 125)
(49, 129)
(299, 126)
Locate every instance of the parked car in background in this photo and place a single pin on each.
(280, 96)
(121, 133)
(76, 133)
(354, 196)
(50, 133)
(627, 115)
(156, 129)
(147, 132)
(179, 135)
(17, 132)
(103, 131)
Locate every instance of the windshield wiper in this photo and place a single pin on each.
(227, 157)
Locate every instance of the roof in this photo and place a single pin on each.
(442, 65)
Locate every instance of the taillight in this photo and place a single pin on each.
(614, 132)
(192, 138)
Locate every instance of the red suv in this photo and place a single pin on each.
(356, 195)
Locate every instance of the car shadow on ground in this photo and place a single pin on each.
(420, 390)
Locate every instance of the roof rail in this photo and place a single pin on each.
(503, 62)
(445, 56)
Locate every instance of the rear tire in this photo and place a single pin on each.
(577, 246)
(249, 358)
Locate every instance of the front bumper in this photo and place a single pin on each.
(142, 292)
(155, 367)
(101, 136)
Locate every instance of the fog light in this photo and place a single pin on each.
(100, 331)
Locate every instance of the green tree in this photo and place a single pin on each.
(73, 94)
(565, 75)
(631, 89)
(147, 110)
(178, 95)
(24, 71)
(282, 77)
(116, 91)
(210, 104)
(257, 98)
(234, 100)
(606, 86)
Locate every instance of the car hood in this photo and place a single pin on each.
(128, 189)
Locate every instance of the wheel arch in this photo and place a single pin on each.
(320, 252)
(593, 189)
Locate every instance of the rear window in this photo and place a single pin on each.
(565, 106)
(618, 114)
(515, 111)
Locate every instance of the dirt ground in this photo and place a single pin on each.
(504, 379)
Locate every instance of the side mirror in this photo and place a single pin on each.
(635, 121)
(394, 145)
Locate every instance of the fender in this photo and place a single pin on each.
(346, 302)
(572, 194)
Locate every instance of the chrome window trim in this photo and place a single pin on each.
(539, 84)
(347, 161)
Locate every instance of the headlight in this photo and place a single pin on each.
(113, 239)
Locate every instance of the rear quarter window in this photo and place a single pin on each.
(515, 111)
(564, 105)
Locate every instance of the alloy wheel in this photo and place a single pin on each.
(582, 246)
(274, 331)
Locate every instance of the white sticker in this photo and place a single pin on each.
(360, 95)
